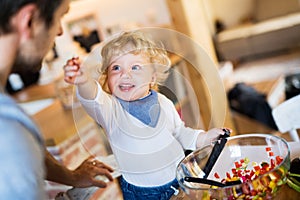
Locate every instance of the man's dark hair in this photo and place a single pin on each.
(9, 8)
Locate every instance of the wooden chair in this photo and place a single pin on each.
(287, 117)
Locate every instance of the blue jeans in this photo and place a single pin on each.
(164, 192)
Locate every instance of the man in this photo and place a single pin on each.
(27, 32)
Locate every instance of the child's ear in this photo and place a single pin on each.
(154, 76)
(23, 21)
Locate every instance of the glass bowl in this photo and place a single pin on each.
(251, 166)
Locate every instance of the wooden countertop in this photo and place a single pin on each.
(55, 122)
(35, 92)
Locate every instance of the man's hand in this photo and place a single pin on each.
(86, 174)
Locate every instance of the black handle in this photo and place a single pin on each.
(203, 181)
(216, 151)
(211, 182)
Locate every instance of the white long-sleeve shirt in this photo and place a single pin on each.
(146, 156)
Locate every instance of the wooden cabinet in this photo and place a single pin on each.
(188, 18)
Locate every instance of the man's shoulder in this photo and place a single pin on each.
(15, 124)
(15, 132)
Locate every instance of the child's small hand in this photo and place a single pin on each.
(73, 72)
(211, 136)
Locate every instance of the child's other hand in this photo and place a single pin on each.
(211, 136)
(73, 72)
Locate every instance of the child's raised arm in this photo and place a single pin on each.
(74, 73)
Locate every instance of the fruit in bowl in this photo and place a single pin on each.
(250, 166)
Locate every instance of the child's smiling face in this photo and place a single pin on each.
(130, 76)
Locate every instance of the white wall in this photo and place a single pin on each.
(122, 13)
(145, 12)
(118, 14)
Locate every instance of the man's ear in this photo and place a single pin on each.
(23, 19)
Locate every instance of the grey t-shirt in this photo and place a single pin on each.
(22, 170)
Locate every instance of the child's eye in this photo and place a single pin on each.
(136, 67)
(115, 68)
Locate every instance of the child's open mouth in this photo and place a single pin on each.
(125, 87)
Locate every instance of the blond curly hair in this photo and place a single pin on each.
(135, 42)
